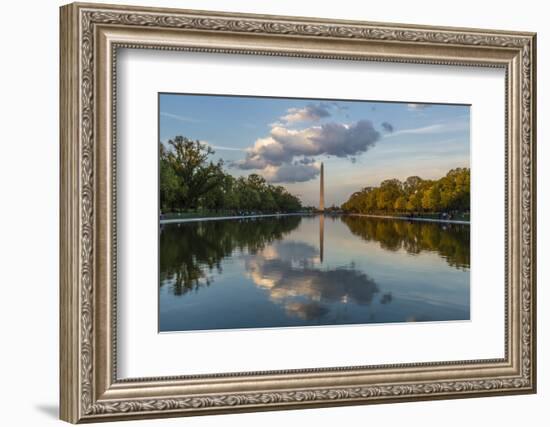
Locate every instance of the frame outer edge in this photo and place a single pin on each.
(533, 210)
(77, 342)
(69, 354)
(291, 18)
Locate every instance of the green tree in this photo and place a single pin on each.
(449, 193)
(412, 184)
(189, 180)
(231, 199)
(248, 196)
(169, 184)
(196, 175)
(431, 199)
(388, 193)
(414, 203)
(400, 204)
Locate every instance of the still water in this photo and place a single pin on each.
(311, 270)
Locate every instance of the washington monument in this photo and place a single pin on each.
(322, 190)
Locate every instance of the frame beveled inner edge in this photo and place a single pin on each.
(115, 45)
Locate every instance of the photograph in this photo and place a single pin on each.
(290, 212)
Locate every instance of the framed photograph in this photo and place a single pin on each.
(266, 212)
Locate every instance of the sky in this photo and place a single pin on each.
(361, 143)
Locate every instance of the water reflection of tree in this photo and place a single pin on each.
(190, 251)
(451, 241)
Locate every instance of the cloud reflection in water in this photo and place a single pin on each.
(290, 272)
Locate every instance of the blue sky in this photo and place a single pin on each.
(360, 142)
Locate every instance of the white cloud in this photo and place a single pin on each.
(432, 129)
(309, 113)
(417, 107)
(422, 130)
(179, 118)
(286, 155)
(283, 145)
(295, 172)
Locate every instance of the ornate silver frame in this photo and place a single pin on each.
(90, 36)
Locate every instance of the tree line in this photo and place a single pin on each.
(191, 181)
(450, 193)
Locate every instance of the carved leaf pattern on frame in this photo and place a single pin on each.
(89, 18)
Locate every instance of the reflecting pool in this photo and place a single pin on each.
(311, 270)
